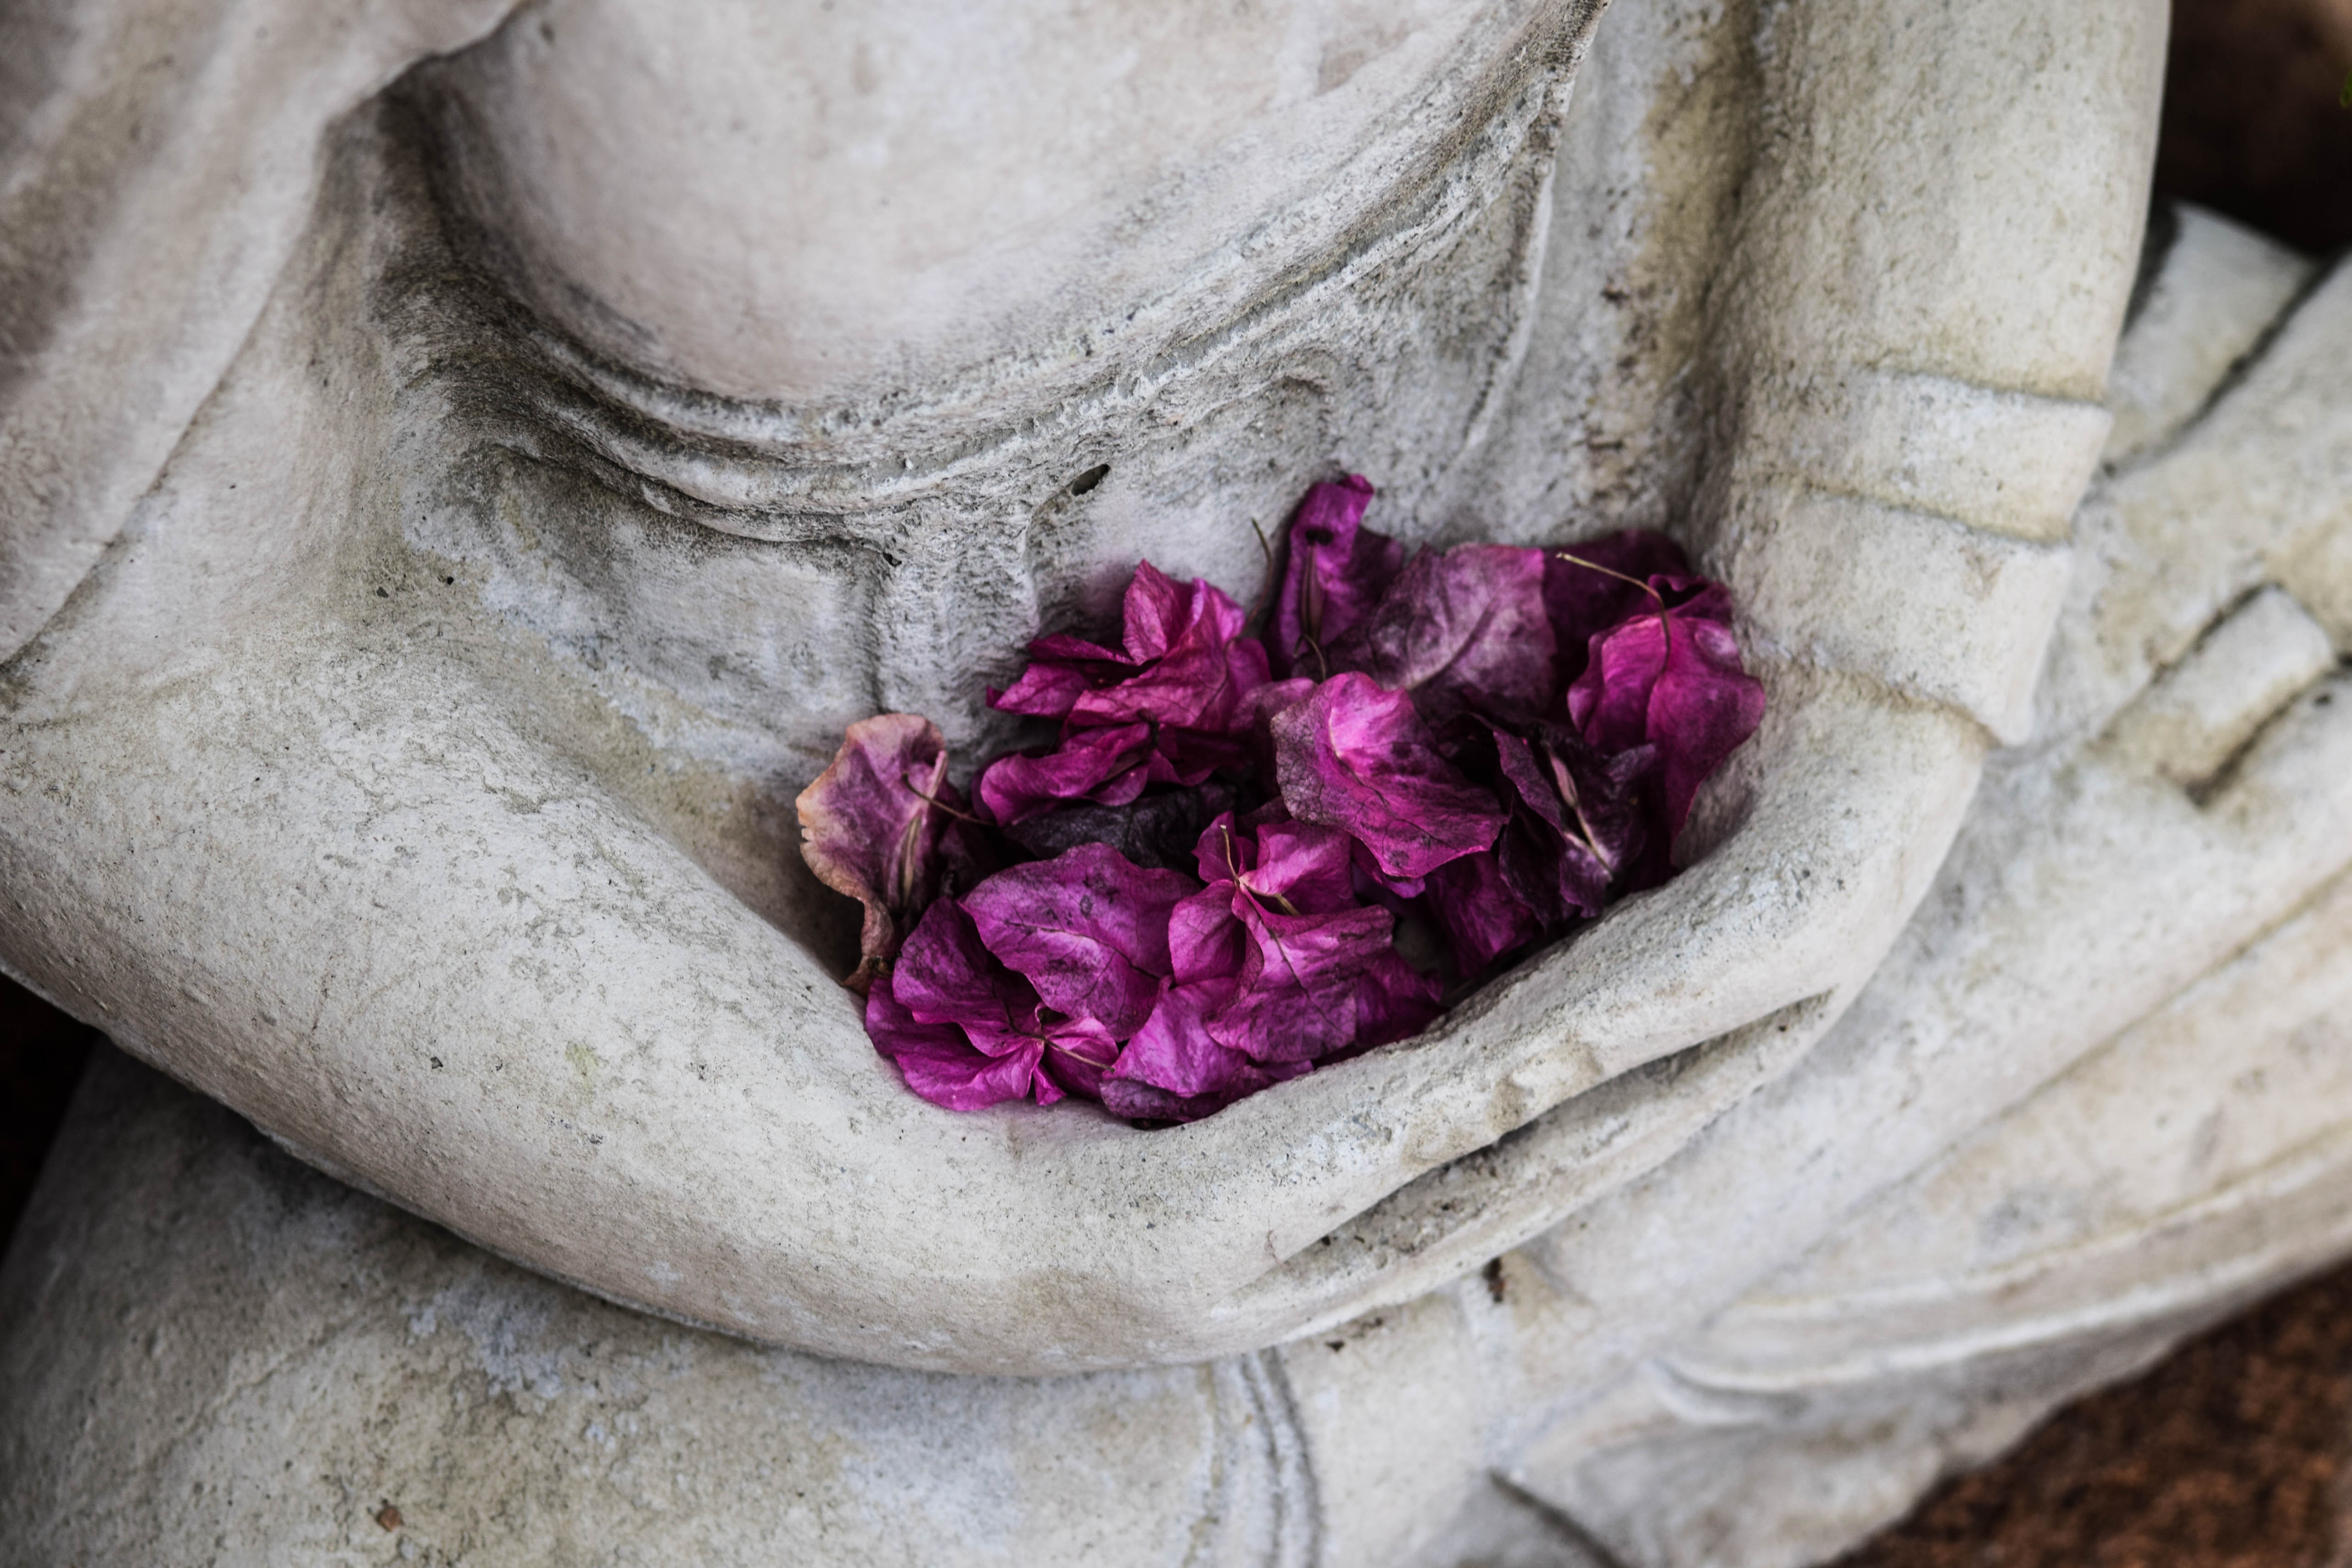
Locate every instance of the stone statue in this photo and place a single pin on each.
(448, 520)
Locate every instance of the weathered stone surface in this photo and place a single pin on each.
(411, 772)
(2102, 1074)
(2097, 1097)
(213, 1353)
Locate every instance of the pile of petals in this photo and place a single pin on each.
(1213, 879)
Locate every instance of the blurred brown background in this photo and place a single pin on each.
(2237, 1451)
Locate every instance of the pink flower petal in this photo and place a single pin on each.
(1296, 1000)
(942, 1066)
(1109, 766)
(1466, 627)
(1333, 571)
(1672, 680)
(1089, 929)
(870, 828)
(1173, 1050)
(1358, 758)
(1303, 867)
(1583, 601)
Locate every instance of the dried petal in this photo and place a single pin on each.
(1333, 571)
(1109, 766)
(1089, 929)
(870, 828)
(1192, 666)
(1173, 1071)
(1300, 868)
(1576, 823)
(940, 1064)
(1061, 671)
(1183, 699)
(1393, 1001)
(1671, 679)
(1481, 914)
(1175, 1051)
(1355, 758)
(1587, 588)
(1299, 979)
(1159, 828)
(946, 977)
(1465, 627)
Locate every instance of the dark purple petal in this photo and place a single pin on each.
(1586, 596)
(1205, 939)
(1395, 1001)
(1089, 929)
(1109, 766)
(870, 828)
(1297, 995)
(1576, 820)
(1173, 1050)
(1160, 829)
(1358, 758)
(1674, 682)
(1466, 628)
(1333, 571)
(1481, 914)
(947, 975)
(940, 1064)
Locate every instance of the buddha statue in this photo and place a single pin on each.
(468, 463)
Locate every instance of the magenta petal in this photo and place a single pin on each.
(1049, 691)
(1106, 765)
(1481, 914)
(1355, 758)
(1186, 667)
(1201, 670)
(947, 975)
(1305, 866)
(870, 828)
(936, 1060)
(1395, 1001)
(1173, 1071)
(1089, 929)
(1333, 571)
(1173, 1050)
(1157, 611)
(1583, 601)
(1296, 1000)
(1673, 682)
(1205, 939)
(1466, 628)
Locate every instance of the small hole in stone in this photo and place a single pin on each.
(1089, 479)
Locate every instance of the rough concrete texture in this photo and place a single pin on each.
(411, 773)
(2103, 1069)
(2103, 1078)
(292, 1371)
